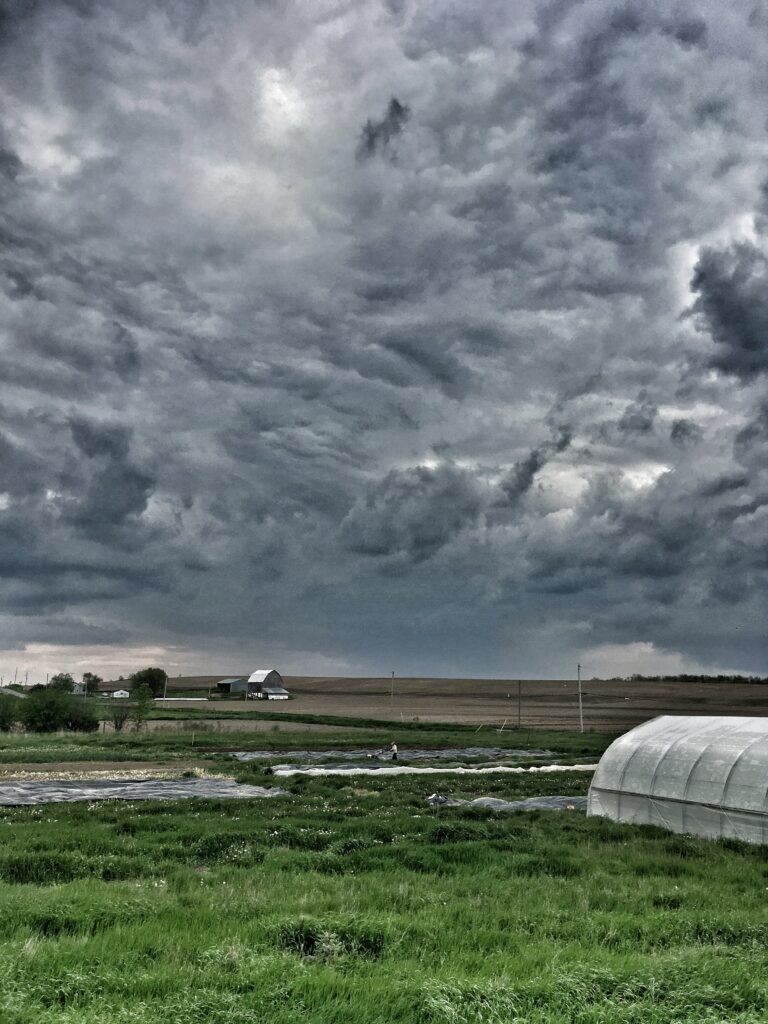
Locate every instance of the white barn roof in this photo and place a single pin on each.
(704, 775)
(262, 675)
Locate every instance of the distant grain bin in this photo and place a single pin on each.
(266, 684)
(707, 776)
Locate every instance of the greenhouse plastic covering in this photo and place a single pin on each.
(707, 776)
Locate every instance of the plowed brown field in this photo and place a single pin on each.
(552, 703)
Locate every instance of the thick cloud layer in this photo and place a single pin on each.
(417, 336)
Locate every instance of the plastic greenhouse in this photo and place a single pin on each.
(707, 776)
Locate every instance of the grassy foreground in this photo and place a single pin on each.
(354, 901)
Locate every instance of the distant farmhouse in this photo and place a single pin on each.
(266, 684)
(120, 694)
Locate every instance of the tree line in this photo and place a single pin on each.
(682, 677)
(55, 707)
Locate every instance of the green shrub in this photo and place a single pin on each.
(9, 712)
(46, 710)
(81, 718)
(51, 709)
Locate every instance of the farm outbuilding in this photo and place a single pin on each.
(237, 686)
(706, 775)
(267, 684)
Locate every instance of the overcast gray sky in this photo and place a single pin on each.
(383, 335)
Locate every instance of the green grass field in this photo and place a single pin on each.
(196, 740)
(353, 901)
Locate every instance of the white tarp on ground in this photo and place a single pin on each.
(406, 753)
(707, 776)
(406, 769)
(531, 803)
(55, 791)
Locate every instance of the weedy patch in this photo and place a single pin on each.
(228, 847)
(489, 1003)
(456, 832)
(665, 901)
(554, 864)
(328, 941)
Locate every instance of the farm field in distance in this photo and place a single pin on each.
(608, 705)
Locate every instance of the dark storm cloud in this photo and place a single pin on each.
(20, 283)
(422, 357)
(376, 136)
(751, 442)
(10, 165)
(685, 432)
(21, 470)
(724, 484)
(114, 494)
(124, 353)
(107, 502)
(638, 417)
(45, 567)
(520, 479)
(732, 290)
(109, 439)
(412, 513)
(257, 384)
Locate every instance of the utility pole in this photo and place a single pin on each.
(581, 709)
(392, 689)
(519, 710)
(165, 690)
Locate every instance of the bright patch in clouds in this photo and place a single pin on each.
(645, 475)
(640, 657)
(282, 105)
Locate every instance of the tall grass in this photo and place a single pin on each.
(360, 903)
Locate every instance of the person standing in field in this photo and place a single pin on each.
(393, 751)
